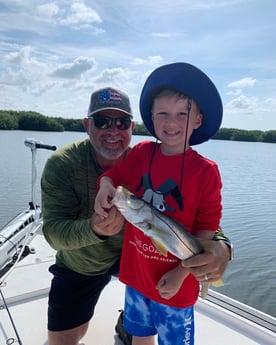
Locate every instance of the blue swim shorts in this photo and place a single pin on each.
(144, 317)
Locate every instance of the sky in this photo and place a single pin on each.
(54, 54)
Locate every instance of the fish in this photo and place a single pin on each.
(166, 234)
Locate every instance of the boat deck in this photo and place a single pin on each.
(219, 320)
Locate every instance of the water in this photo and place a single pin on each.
(249, 196)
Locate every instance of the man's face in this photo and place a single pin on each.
(109, 143)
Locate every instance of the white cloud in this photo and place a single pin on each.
(81, 15)
(22, 70)
(40, 89)
(18, 57)
(241, 102)
(270, 102)
(235, 92)
(119, 76)
(165, 34)
(75, 69)
(204, 5)
(250, 105)
(243, 83)
(27, 73)
(49, 10)
(152, 60)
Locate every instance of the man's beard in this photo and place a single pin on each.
(111, 154)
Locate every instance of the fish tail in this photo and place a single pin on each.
(205, 287)
(204, 290)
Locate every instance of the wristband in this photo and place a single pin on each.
(231, 248)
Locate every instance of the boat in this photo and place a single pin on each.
(24, 285)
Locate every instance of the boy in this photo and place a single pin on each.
(180, 106)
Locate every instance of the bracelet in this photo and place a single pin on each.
(230, 247)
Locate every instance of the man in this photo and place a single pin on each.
(88, 248)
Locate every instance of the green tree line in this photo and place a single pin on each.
(33, 121)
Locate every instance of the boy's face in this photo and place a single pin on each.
(170, 117)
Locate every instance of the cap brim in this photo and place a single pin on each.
(119, 111)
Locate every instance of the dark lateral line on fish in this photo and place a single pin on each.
(159, 216)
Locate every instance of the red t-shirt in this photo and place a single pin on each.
(141, 265)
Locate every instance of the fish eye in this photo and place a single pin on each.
(134, 202)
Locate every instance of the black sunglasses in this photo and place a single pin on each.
(105, 122)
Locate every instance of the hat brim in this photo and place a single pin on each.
(119, 111)
(191, 81)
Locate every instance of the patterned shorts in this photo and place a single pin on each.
(144, 317)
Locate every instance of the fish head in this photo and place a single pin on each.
(128, 204)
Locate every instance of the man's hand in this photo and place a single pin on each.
(209, 267)
(109, 226)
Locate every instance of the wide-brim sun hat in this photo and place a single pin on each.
(191, 81)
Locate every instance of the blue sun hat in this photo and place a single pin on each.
(191, 81)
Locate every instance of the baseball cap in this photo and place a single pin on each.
(109, 98)
(191, 81)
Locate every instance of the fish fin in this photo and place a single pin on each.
(159, 247)
(204, 290)
(218, 283)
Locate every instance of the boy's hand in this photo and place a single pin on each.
(171, 282)
(105, 194)
(109, 226)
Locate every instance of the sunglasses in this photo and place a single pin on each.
(104, 122)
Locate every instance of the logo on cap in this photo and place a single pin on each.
(109, 96)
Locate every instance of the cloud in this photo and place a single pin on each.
(204, 5)
(22, 70)
(248, 105)
(81, 15)
(42, 88)
(18, 57)
(27, 73)
(165, 34)
(75, 69)
(118, 76)
(152, 60)
(270, 102)
(241, 102)
(242, 83)
(49, 10)
(75, 15)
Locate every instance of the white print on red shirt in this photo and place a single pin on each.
(150, 252)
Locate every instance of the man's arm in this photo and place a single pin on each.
(211, 265)
(220, 236)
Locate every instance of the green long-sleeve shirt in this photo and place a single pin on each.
(68, 187)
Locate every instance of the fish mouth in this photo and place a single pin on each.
(124, 200)
(119, 198)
